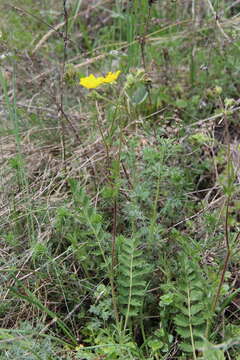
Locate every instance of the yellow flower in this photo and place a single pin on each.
(111, 77)
(92, 82)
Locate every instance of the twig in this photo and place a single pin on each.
(37, 18)
(217, 20)
(232, 5)
(197, 214)
(55, 28)
(211, 118)
(61, 112)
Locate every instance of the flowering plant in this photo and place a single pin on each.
(92, 82)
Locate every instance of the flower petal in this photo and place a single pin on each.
(111, 77)
(91, 82)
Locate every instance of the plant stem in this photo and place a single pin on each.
(190, 327)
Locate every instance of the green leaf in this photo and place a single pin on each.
(155, 344)
(196, 295)
(181, 320)
(196, 308)
(138, 94)
(186, 347)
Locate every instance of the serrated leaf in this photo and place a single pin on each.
(181, 320)
(131, 285)
(186, 347)
(139, 293)
(196, 308)
(184, 332)
(140, 273)
(198, 284)
(136, 303)
(195, 321)
(196, 295)
(183, 309)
